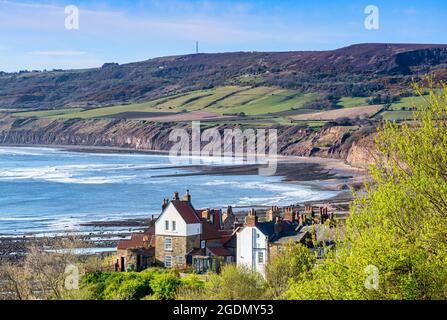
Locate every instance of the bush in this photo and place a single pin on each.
(119, 286)
(235, 283)
(164, 286)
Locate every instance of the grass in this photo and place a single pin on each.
(351, 102)
(46, 113)
(277, 101)
(397, 115)
(257, 101)
(408, 103)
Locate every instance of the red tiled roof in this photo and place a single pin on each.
(136, 241)
(219, 251)
(186, 210)
(225, 236)
(209, 231)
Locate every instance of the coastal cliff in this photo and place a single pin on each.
(336, 142)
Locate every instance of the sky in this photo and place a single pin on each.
(38, 35)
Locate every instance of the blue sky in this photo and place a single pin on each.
(33, 35)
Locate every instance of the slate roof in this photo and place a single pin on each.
(288, 229)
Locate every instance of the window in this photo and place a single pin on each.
(260, 257)
(166, 225)
(168, 243)
(179, 260)
(168, 261)
(174, 226)
(202, 244)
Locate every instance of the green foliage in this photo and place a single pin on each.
(288, 265)
(400, 227)
(120, 286)
(235, 283)
(164, 286)
(192, 281)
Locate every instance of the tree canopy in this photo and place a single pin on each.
(395, 244)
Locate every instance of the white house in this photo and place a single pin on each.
(255, 239)
(252, 249)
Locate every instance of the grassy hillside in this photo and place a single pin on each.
(220, 101)
(357, 70)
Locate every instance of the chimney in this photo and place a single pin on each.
(152, 221)
(278, 226)
(288, 214)
(251, 220)
(206, 214)
(218, 219)
(176, 196)
(187, 196)
(272, 213)
(165, 204)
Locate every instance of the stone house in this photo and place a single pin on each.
(137, 253)
(184, 237)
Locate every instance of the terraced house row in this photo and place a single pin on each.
(182, 237)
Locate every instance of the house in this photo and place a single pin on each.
(258, 241)
(184, 237)
(137, 253)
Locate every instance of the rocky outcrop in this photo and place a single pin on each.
(354, 146)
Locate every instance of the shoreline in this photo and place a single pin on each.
(318, 173)
(337, 165)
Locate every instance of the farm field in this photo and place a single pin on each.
(397, 115)
(340, 113)
(408, 103)
(221, 101)
(351, 102)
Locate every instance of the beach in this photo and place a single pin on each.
(328, 177)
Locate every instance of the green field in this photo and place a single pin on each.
(351, 102)
(408, 103)
(47, 113)
(255, 101)
(397, 115)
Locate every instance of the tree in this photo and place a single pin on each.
(395, 244)
(43, 272)
(289, 265)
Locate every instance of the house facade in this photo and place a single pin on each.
(181, 237)
(205, 239)
(178, 231)
(259, 241)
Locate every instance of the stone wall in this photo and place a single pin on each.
(181, 246)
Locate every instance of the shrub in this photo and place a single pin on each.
(235, 283)
(164, 286)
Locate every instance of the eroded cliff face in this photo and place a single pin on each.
(354, 146)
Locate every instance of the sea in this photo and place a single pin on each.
(46, 191)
